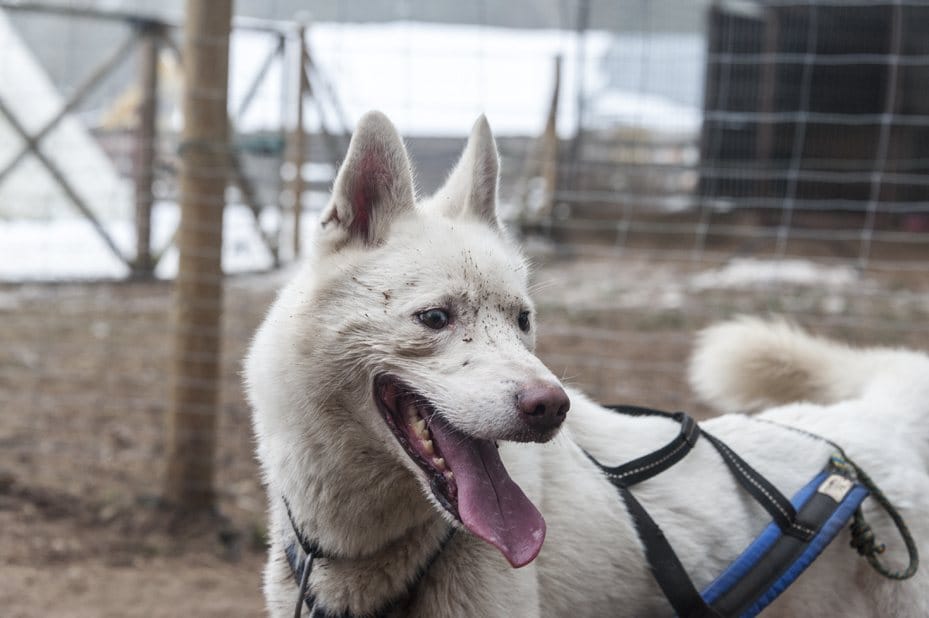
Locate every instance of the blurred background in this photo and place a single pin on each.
(664, 163)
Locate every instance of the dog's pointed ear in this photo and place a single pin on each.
(471, 188)
(374, 184)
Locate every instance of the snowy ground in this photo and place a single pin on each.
(69, 248)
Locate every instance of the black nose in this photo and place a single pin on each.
(542, 405)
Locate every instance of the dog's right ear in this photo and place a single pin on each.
(374, 185)
(471, 188)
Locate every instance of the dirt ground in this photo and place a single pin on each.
(84, 388)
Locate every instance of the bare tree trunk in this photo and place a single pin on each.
(199, 286)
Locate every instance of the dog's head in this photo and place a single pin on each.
(417, 320)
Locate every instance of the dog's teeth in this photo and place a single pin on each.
(439, 463)
(448, 475)
(427, 446)
(420, 427)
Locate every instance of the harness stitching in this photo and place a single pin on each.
(793, 524)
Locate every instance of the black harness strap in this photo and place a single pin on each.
(647, 466)
(773, 501)
(666, 567)
(670, 574)
(658, 461)
(302, 570)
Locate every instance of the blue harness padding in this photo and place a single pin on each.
(778, 572)
(800, 528)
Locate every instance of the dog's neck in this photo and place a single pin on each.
(389, 577)
(374, 527)
(352, 498)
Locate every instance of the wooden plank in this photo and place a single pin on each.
(83, 89)
(247, 191)
(336, 145)
(191, 444)
(278, 51)
(62, 182)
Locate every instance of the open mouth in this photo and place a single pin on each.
(465, 474)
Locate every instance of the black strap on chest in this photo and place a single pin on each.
(670, 574)
(767, 495)
(302, 567)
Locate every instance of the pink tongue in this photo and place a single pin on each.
(490, 504)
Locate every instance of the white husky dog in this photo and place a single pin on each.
(396, 396)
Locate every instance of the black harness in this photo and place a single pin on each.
(800, 530)
(302, 566)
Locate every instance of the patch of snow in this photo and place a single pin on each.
(748, 272)
(624, 108)
(70, 248)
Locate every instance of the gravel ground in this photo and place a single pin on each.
(84, 388)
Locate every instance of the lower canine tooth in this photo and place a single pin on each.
(419, 426)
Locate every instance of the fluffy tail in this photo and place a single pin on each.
(747, 364)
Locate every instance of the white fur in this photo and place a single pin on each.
(348, 316)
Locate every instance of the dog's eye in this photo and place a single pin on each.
(435, 319)
(523, 321)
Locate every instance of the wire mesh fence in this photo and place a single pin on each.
(698, 161)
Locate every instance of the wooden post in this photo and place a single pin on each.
(550, 146)
(297, 139)
(199, 286)
(145, 148)
(583, 23)
(764, 144)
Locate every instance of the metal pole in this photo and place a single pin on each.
(204, 150)
(146, 134)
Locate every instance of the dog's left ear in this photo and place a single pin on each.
(471, 188)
